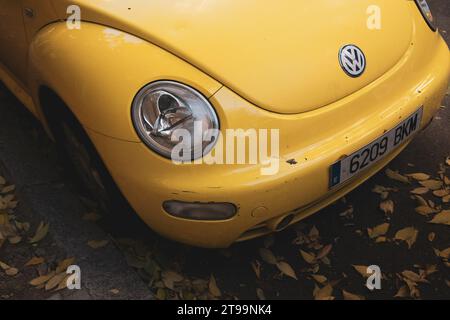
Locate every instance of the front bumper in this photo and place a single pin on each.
(314, 139)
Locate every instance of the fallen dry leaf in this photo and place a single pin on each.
(421, 190)
(41, 232)
(441, 193)
(425, 210)
(419, 176)
(92, 216)
(377, 231)
(97, 244)
(351, 296)
(267, 256)
(387, 206)
(324, 252)
(325, 293)
(308, 257)
(260, 294)
(213, 289)
(64, 264)
(394, 175)
(114, 291)
(362, 270)
(432, 184)
(431, 236)
(286, 269)
(319, 278)
(256, 266)
(403, 292)
(442, 218)
(34, 261)
(42, 279)
(11, 271)
(409, 235)
(55, 281)
(8, 189)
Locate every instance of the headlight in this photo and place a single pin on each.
(165, 110)
(426, 13)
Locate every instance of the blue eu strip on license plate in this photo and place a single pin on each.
(346, 168)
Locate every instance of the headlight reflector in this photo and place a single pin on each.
(162, 107)
(426, 13)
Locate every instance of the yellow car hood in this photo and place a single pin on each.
(279, 55)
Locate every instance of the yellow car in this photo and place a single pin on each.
(331, 91)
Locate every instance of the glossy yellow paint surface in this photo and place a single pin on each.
(277, 70)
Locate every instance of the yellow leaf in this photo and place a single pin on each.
(15, 239)
(379, 230)
(11, 271)
(425, 210)
(319, 278)
(286, 269)
(324, 252)
(267, 256)
(442, 218)
(308, 257)
(54, 281)
(403, 292)
(350, 296)
(64, 264)
(213, 289)
(8, 189)
(394, 175)
(42, 279)
(441, 193)
(34, 261)
(41, 232)
(387, 206)
(421, 190)
(432, 184)
(97, 244)
(362, 270)
(324, 293)
(409, 235)
(419, 176)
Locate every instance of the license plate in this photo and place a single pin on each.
(346, 168)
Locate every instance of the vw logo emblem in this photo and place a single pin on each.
(352, 60)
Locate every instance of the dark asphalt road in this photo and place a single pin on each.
(232, 267)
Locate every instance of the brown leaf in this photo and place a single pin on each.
(425, 210)
(362, 270)
(319, 278)
(442, 218)
(432, 184)
(387, 206)
(42, 279)
(421, 190)
(15, 239)
(403, 292)
(419, 176)
(286, 269)
(324, 293)
(41, 232)
(213, 289)
(324, 252)
(267, 256)
(441, 193)
(308, 257)
(97, 244)
(2, 181)
(55, 281)
(114, 291)
(431, 236)
(8, 189)
(256, 266)
(169, 278)
(92, 216)
(409, 235)
(11, 271)
(377, 231)
(350, 296)
(64, 264)
(34, 261)
(394, 175)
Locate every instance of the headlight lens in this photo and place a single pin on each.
(161, 108)
(426, 13)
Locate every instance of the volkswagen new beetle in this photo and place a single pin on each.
(347, 84)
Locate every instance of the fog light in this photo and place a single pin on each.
(211, 211)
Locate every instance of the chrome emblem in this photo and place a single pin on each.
(352, 60)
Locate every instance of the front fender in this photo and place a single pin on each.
(97, 71)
